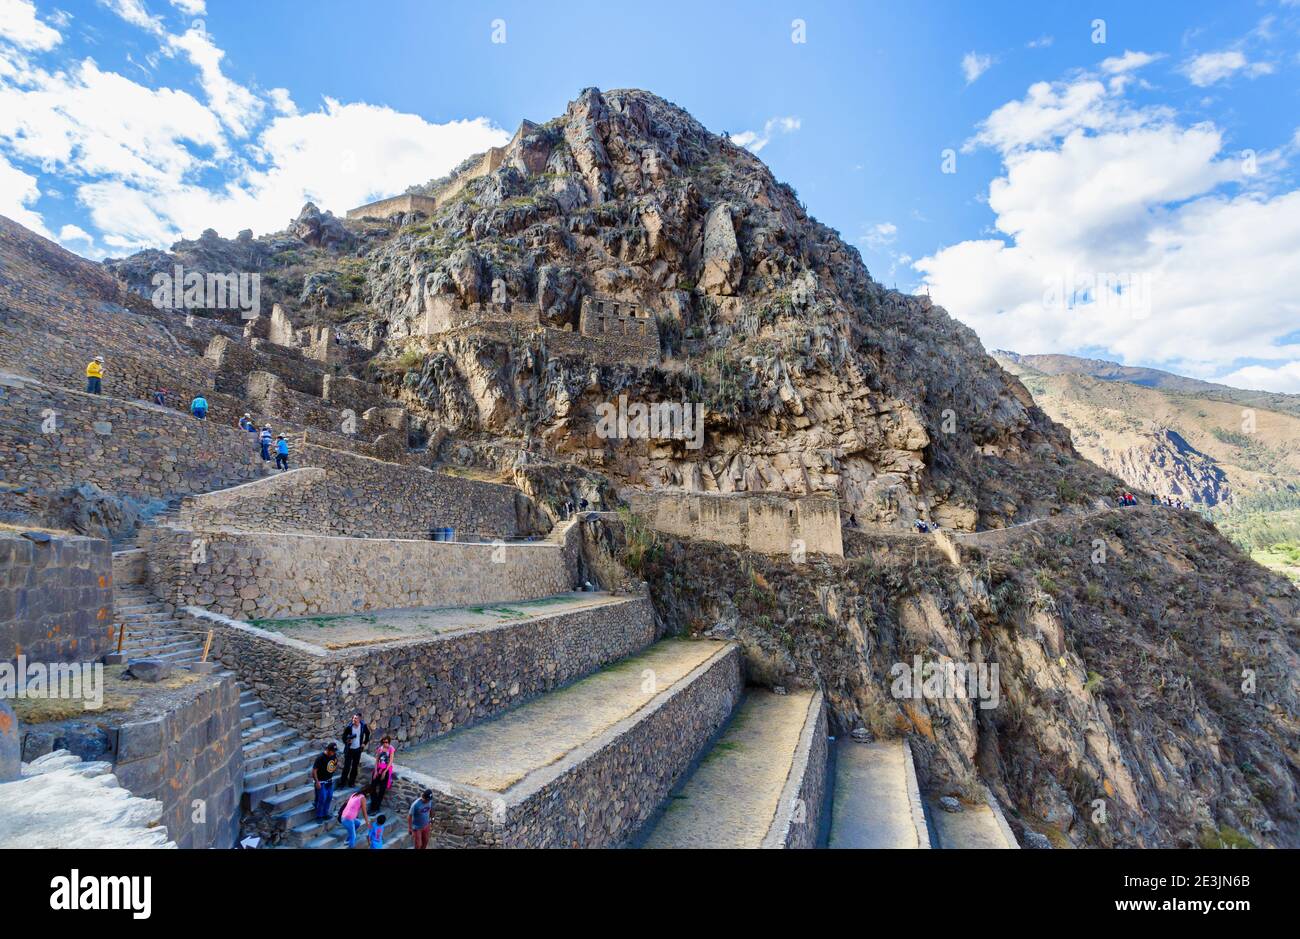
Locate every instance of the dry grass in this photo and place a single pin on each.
(119, 695)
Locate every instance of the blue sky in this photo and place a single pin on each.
(1125, 174)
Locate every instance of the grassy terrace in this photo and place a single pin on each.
(344, 631)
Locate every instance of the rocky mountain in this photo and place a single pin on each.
(1102, 370)
(1120, 678)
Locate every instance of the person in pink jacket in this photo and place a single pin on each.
(383, 778)
(353, 815)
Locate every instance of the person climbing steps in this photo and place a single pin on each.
(281, 453)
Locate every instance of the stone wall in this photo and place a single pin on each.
(188, 751)
(798, 814)
(373, 499)
(56, 598)
(295, 501)
(443, 313)
(341, 391)
(234, 361)
(257, 575)
(601, 794)
(54, 438)
(396, 205)
(620, 323)
(267, 394)
(767, 523)
(418, 689)
(58, 311)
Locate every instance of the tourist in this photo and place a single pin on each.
(322, 775)
(383, 777)
(418, 818)
(376, 833)
(160, 396)
(95, 375)
(199, 407)
(353, 815)
(246, 423)
(356, 737)
(281, 452)
(265, 440)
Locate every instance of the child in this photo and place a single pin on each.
(376, 832)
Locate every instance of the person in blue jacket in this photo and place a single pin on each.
(199, 408)
(265, 440)
(281, 453)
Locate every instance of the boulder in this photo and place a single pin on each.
(722, 264)
(150, 670)
(949, 804)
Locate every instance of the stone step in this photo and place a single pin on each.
(178, 644)
(176, 658)
(267, 744)
(336, 838)
(759, 785)
(298, 813)
(258, 731)
(296, 767)
(294, 750)
(527, 775)
(876, 802)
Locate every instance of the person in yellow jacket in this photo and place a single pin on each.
(95, 376)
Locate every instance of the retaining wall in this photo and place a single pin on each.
(600, 794)
(56, 598)
(767, 523)
(418, 689)
(260, 575)
(799, 812)
(189, 756)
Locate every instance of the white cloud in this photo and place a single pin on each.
(70, 233)
(19, 25)
(142, 161)
(1284, 378)
(973, 65)
(237, 107)
(1042, 42)
(755, 141)
(1210, 67)
(91, 122)
(1129, 61)
(338, 157)
(879, 235)
(1093, 185)
(18, 190)
(190, 7)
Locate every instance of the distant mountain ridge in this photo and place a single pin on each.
(1102, 370)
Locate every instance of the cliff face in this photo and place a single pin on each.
(816, 379)
(1116, 680)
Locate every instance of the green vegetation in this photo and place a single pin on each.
(642, 542)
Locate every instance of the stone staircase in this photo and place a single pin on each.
(152, 630)
(277, 764)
